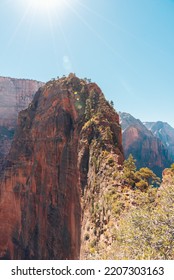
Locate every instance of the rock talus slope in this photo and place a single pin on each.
(51, 168)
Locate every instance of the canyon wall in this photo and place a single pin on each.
(15, 95)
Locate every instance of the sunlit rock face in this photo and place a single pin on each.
(165, 133)
(147, 148)
(15, 95)
(49, 168)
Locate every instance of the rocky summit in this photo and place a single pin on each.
(54, 180)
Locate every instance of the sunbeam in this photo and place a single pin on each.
(45, 5)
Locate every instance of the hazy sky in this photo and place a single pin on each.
(125, 46)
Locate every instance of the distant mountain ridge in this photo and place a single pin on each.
(144, 143)
(164, 132)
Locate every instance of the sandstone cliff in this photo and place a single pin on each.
(146, 148)
(15, 95)
(55, 172)
(165, 133)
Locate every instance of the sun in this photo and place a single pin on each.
(43, 6)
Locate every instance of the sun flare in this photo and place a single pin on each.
(45, 5)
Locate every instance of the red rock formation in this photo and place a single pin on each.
(165, 133)
(47, 169)
(15, 95)
(148, 150)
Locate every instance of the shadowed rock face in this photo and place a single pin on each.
(46, 171)
(15, 95)
(147, 149)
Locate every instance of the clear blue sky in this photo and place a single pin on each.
(125, 46)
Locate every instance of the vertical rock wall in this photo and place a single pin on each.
(49, 168)
(15, 95)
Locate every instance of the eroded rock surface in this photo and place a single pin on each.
(51, 168)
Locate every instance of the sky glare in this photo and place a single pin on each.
(125, 46)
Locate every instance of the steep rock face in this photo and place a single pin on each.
(15, 95)
(6, 137)
(49, 169)
(104, 164)
(165, 133)
(147, 149)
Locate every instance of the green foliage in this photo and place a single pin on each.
(130, 163)
(110, 161)
(172, 166)
(147, 176)
(88, 109)
(104, 153)
(115, 174)
(108, 134)
(91, 105)
(92, 121)
(112, 103)
(142, 185)
(129, 169)
(87, 80)
(147, 232)
(142, 178)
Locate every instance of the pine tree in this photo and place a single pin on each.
(112, 103)
(129, 170)
(148, 176)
